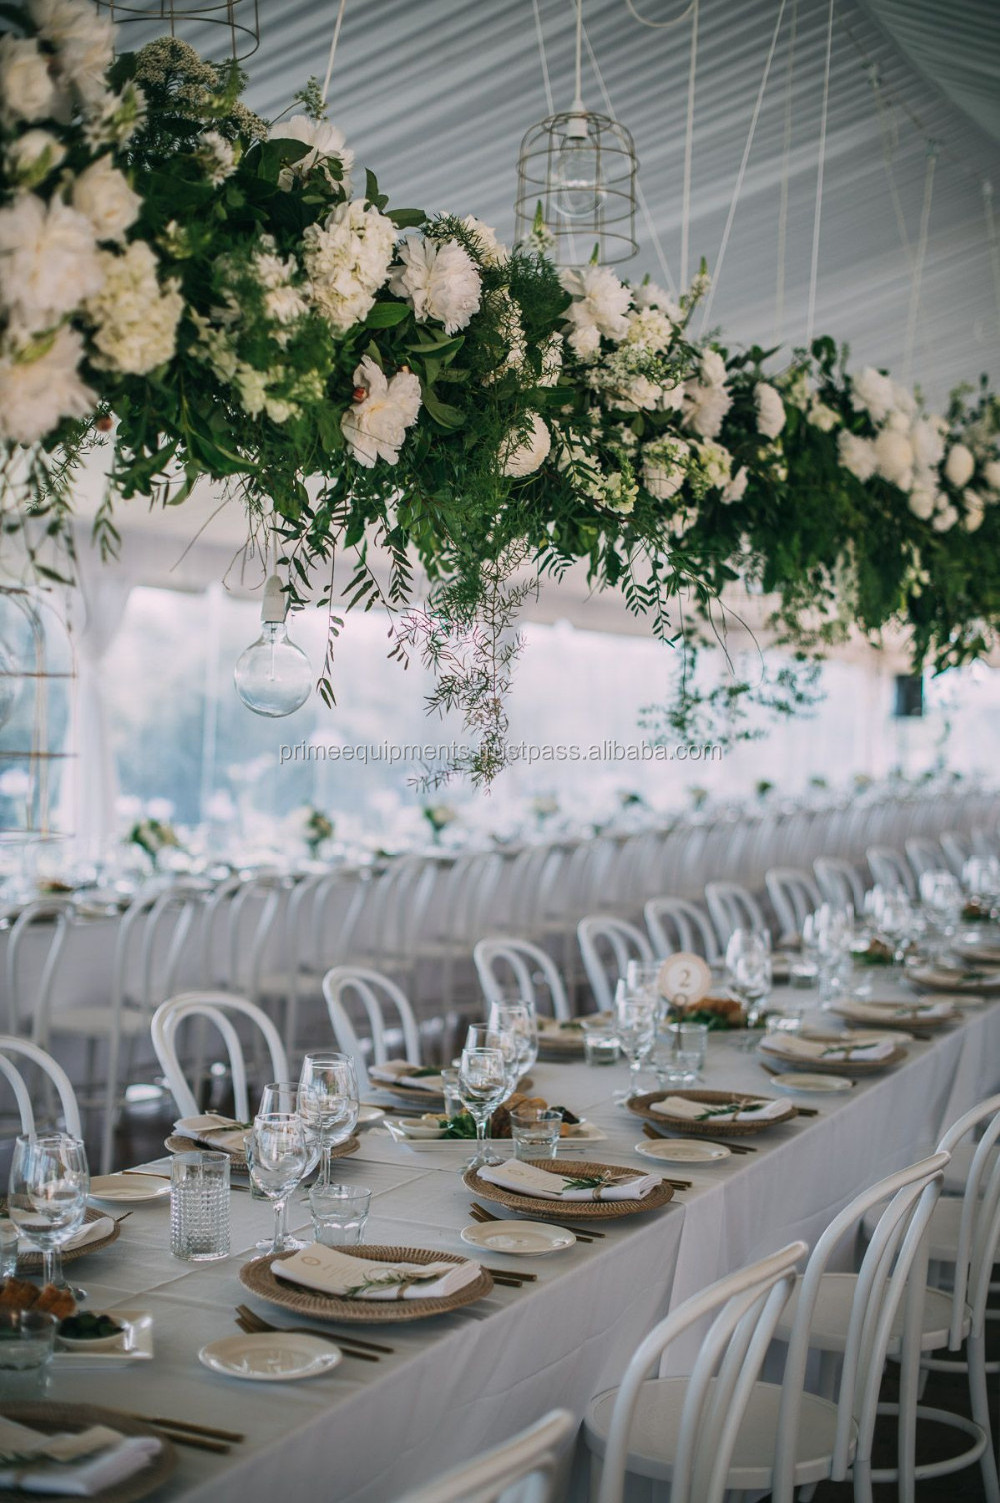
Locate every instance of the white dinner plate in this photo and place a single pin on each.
(818, 1084)
(130, 1189)
(683, 1151)
(135, 1344)
(525, 1239)
(270, 1356)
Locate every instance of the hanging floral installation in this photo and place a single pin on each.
(216, 299)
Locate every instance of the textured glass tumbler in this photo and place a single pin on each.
(199, 1206)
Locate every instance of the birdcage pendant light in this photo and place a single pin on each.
(576, 177)
(238, 20)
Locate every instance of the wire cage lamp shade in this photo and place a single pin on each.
(240, 19)
(576, 172)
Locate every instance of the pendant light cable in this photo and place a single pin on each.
(992, 243)
(333, 48)
(786, 156)
(918, 263)
(661, 25)
(550, 103)
(578, 96)
(818, 213)
(688, 142)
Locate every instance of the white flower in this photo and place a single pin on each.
(649, 295)
(49, 262)
(347, 260)
(440, 280)
(770, 410)
(927, 438)
(41, 386)
(599, 307)
(822, 417)
(136, 323)
(285, 305)
(705, 407)
(651, 329)
(873, 393)
(903, 400)
(945, 519)
(894, 458)
(856, 454)
(492, 252)
(31, 157)
(102, 195)
(713, 368)
(619, 494)
(671, 397)
(85, 43)
(923, 501)
(960, 465)
(326, 142)
(26, 88)
(375, 425)
(715, 463)
(525, 457)
(975, 509)
(552, 360)
(664, 466)
(736, 489)
(218, 156)
(991, 474)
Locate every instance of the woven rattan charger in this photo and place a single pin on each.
(713, 1127)
(259, 1278)
(575, 1210)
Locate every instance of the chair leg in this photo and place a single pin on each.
(861, 1473)
(906, 1429)
(979, 1399)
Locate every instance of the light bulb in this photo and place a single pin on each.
(273, 677)
(10, 683)
(579, 189)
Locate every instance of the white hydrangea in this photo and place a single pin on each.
(347, 260)
(736, 488)
(492, 252)
(49, 262)
(975, 509)
(650, 328)
(856, 454)
(525, 457)
(41, 385)
(665, 464)
(85, 43)
(26, 88)
(894, 458)
(326, 142)
(440, 280)
(31, 157)
(822, 417)
(375, 424)
(599, 308)
(873, 393)
(135, 322)
(102, 194)
(770, 410)
(960, 465)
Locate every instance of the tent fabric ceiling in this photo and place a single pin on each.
(434, 96)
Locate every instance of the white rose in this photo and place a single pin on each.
(375, 426)
(26, 86)
(49, 262)
(873, 393)
(31, 157)
(736, 489)
(440, 280)
(822, 417)
(960, 465)
(325, 139)
(492, 252)
(42, 388)
(525, 457)
(923, 500)
(975, 509)
(770, 410)
(894, 458)
(856, 454)
(103, 196)
(991, 474)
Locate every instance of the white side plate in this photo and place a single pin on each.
(523, 1239)
(683, 1151)
(129, 1189)
(270, 1357)
(798, 1084)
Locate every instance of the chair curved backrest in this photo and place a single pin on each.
(624, 941)
(529, 1458)
(528, 965)
(744, 1308)
(794, 894)
(925, 856)
(25, 1049)
(155, 938)
(54, 917)
(216, 1007)
(732, 906)
(377, 994)
(957, 849)
(891, 869)
(979, 1226)
(677, 924)
(839, 882)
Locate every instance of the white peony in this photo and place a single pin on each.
(664, 466)
(375, 424)
(822, 417)
(492, 252)
(770, 410)
(856, 454)
(49, 262)
(85, 44)
(326, 142)
(135, 323)
(599, 308)
(923, 501)
(41, 387)
(945, 519)
(873, 393)
(440, 279)
(975, 509)
(649, 295)
(736, 489)
(650, 328)
(102, 195)
(927, 438)
(894, 458)
(960, 465)
(347, 260)
(31, 157)
(991, 474)
(26, 88)
(525, 457)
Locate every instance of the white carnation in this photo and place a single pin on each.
(49, 262)
(649, 295)
(492, 252)
(923, 501)
(671, 397)
(135, 323)
(873, 393)
(41, 386)
(347, 260)
(894, 458)
(713, 368)
(945, 519)
(991, 474)
(85, 44)
(599, 307)
(960, 465)
(903, 400)
(31, 157)
(102, 195)
(664, 466)
(927, 438)
(856, 454)
(822, 417)
(525, 457)
(705, 407)
(375, 425)
(736, 489)
(325, 140)
(26, 88)
(975, 509)
(770, 410)
(440, 279)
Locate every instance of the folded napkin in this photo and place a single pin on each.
(69, 1465)
(707, 1111)
(331, 1271)
(224, 1134)
(398, 1072)
(808, 1049)
(877, 1012)
(525, 1179)
(92, 1232)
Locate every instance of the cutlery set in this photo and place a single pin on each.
(186, 1433)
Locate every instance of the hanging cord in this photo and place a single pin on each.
(333, 48)
(578, 95)
(688, 141)
(991, 240)
(743, 167)
(786, 156)
(662, 25)
(918, 262)
(550, 104)
(890, 140)
(820, 167)
(640, 195)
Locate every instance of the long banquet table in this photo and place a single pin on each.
(368, 1432)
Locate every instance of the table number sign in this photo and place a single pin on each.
(684, 979)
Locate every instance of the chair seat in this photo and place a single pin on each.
(98, 1022)
(828, 1330)
(656, 1424)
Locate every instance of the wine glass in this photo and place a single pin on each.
(277, 1155)
(284, 1096)
(942, 898)
(486, 1036)
(328, 1101)
(482, 1085)
(635, 1025)
(49, 1185)
(748, 964)
(519, 1019)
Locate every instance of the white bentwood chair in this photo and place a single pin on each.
(380, 997)
(890, 868)
(840, 883)
(520, 1471)
(26, 1050)
(219, 1008)
(622, 942)
(530, 969)
(732, 907)
(794, 895)
(678, 924)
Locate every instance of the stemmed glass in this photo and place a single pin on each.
(635, 1025)
(284, 1096)
(748, 964)
(329, 1102)
(277, 1155)
(518, 1018)
(49, 1185)
(942, 898)
(827, 934)
(482, 1085)
(486, 1036)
